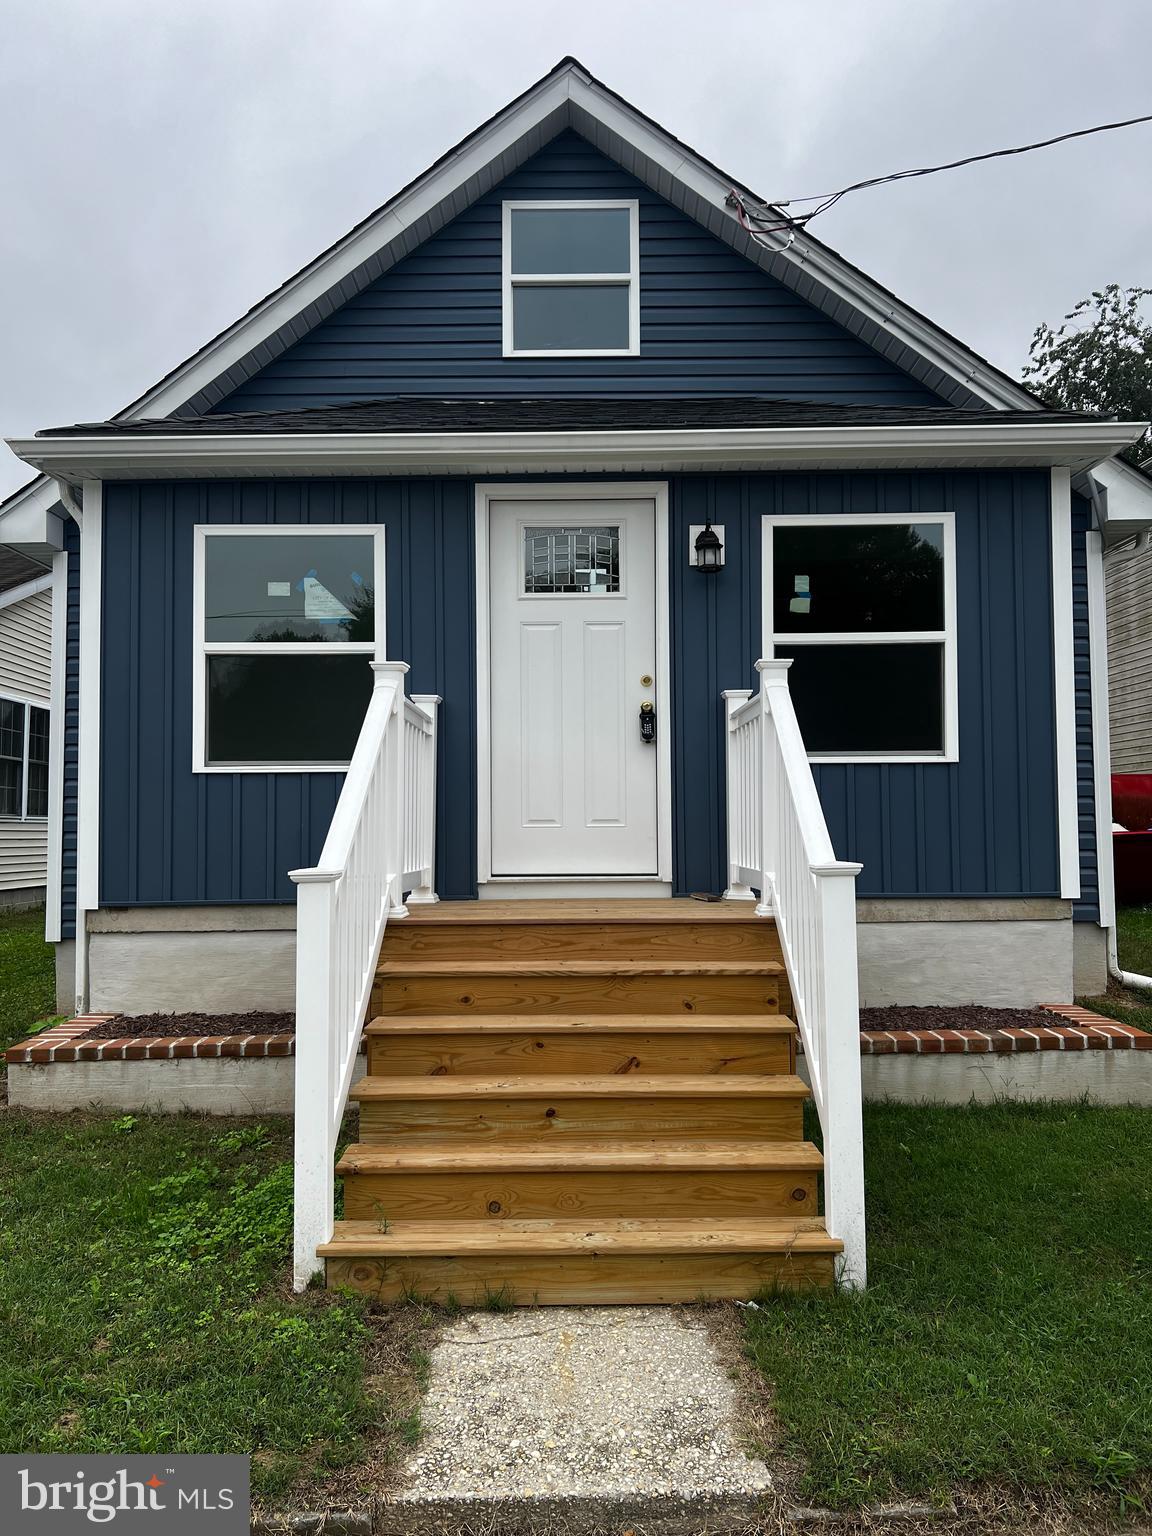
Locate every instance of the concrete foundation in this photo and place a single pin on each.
(1089, 959)
(1001, 964)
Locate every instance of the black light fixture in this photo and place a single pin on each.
(709, 550)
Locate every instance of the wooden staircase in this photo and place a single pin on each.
(576, 1101)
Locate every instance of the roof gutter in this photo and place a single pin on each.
(1016, 443)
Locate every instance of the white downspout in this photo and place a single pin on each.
(1102, 752)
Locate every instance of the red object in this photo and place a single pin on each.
(1132, 800)
(1132, 847)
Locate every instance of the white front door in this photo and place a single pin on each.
(573, 617)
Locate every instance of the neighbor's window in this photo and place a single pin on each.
(865, 608)
(23, 759)
(571, 279)
(287, 624)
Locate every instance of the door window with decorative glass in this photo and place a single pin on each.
(287, 625)
(864, 607)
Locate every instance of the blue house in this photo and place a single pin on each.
(570, 540)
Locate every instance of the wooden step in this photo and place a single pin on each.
(580, 1045)
(569, 1262)
(682, 939)
(434, 986)
(585, 1180)
(438, 1108)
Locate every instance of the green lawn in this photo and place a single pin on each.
(1134, 948)
(1007, 1329)
(27, 977)
(144, 1304)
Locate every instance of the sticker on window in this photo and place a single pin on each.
(802, 602)
(279, 589)
(320, 604)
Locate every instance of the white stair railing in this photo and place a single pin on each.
(380, 844)
(778, 842)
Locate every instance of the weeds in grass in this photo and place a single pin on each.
(501, 1300)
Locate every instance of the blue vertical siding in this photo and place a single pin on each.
(985, 825)
(71, 727)
(710, 321)
(171, 835)
(1087, 909)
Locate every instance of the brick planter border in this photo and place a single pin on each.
(1084, 1031)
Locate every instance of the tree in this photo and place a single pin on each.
(1100, 359)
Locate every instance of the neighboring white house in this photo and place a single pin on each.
(25, 692)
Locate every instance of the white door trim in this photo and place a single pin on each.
(655, 491)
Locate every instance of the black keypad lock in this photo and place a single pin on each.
(647, 723)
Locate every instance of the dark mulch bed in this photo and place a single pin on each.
(970, 1016)
(138, 1026)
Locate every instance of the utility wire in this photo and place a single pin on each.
(753, 220)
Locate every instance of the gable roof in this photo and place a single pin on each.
(569, 96)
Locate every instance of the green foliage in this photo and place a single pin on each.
(1008, 1310)
(1099, 359)
(1134, 948)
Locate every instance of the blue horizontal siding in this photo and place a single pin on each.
(985, 825)
(710, 321)
(171, 835)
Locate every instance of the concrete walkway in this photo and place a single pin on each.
(570, 1419)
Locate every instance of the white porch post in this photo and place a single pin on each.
(734, 699)
(425, 893)
(385, 672)
(842, 1113)
(773, 675)
(315, 1075)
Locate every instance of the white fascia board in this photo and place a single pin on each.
(1129, 495)
(1010, 443)
(25, 590)
(29, 520)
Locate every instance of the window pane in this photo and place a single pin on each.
(286, 709)
(868, 698)
(269, 587)
(879, 576)
(569, 317)
(11, 758)
(571, 240)
(573, 560)
(38, 729)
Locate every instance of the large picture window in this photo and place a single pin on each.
(864, 606)
(23, 759)
(571, 279)
(287, 620)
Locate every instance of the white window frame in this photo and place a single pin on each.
(373, 650)
(946, 636)
(27, 704)
(629, 279)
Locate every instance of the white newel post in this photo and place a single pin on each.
(773, 676)
(315, 1072)
(425, 893)
(386, 672)
(843, 1119)
(734, 699)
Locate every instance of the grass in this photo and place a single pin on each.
(144, 1302)
(1003, 1335)
(27, 975)
(1134, 950)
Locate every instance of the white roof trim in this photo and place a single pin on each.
(1014, 442)
(25, 590)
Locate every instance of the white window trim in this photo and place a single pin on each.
(375, 650)
(629, 279)
(947, 520)
(26, 703)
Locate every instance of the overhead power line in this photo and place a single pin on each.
(755, 223)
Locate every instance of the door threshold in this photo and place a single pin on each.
(551, 888)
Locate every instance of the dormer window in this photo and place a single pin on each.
(571, 279)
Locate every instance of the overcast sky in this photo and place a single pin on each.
(165, 163)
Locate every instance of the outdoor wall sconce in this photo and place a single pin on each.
(707, 548)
